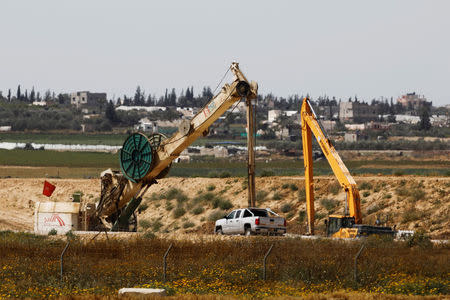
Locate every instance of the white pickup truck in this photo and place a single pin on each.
(250, 221)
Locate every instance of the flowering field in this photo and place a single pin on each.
(30, 267)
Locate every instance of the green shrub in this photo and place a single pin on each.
(285, 208)
(216, 215)
(71, 235)
(301, 195)
(156, 225)
(179, 212)
(276, 196)
(244, 184)
(225, 204)
(53, 231)
(301, 216)
(420, 239)
(142, 207)
(411, 215)
(171, 193)
(261, 196)
(293, 187)
(328, 204)
(366, 194)
(210, 187)
(398, 173)
(169, 206)
(198, 210)
(154, 197)
(334, 188)
(417, 194)
(365, 186)
(188, 225)
(149, 235)
(402, 192)
(320, 216)
(387, 196)
(266, 173)
(205, 197)
(373, 209)
(181, 197)
(225, 175)
(285, 185)
(145, 224)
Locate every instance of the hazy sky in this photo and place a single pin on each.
(336, 48)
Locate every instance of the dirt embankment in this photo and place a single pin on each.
(189, 205)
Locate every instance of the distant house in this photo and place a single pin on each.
(5, 128)
(361, 126)
(327, 112)
(274, 114)
(187, 112)
(356, 112)
(407, 119)
(350, 137)
(39, 103)
(412, 101)
(146, 125)
(90, 102)
(328, 125)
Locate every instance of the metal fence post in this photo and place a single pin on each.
(62, 257)
(165, 262)
(264, 262)
(355, 270)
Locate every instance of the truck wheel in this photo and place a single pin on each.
(219, 231)
(248, 231)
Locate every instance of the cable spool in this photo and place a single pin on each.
(136, 157)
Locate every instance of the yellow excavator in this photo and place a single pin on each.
(350, 224)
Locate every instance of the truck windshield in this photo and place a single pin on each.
(259, 212)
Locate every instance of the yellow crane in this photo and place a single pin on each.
(144, 159)
(348, 225)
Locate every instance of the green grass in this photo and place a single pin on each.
(73, 138)
(98, 161)
(39, 158)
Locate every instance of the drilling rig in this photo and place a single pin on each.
(145, 159)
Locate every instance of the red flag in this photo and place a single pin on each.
(48, 188)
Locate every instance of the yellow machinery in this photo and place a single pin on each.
(342, 226)
(144, 159)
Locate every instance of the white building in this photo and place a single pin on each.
(407, 119)
(274, 114)
(87, 98)
(146, 108)
(147, 126)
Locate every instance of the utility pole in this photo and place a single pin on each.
(251, 153)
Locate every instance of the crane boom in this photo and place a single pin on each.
(134, 186)
(310, 124)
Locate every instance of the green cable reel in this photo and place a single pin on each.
(136, 157)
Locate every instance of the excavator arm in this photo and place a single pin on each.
(310, 125)
(143, 161)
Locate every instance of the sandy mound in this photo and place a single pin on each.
(409, 202)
